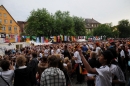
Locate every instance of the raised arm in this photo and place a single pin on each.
(86, 64)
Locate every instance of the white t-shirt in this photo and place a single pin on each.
(52, 52)
(46, 52)
(104, 77)
(40, 55)
(97, 50)
(58, 51)
(122, 53)
(115, 70)
(129, 53)
(8, 76)
(76, 55)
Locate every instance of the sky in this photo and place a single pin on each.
(104, 11)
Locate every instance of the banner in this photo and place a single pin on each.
(55, 39)
(61, 37)
(2, 40)
(2, 35)
(27, 38)
(58, 38)
(7, 40)
(16, 38)
(34, 38)
(42, 39)
(46, 39)
(65, 38)
(37, 40)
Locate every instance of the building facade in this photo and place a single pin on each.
(90, 24)
(22, 26)
(9, 30)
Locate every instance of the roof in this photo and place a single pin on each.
(91, 21)
(9, 14)
(21, 21)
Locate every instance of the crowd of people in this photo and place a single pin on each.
(104, 63)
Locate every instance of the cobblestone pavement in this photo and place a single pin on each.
(73, 81)
(85, 83)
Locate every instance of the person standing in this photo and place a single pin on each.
(53, 76)
(103, 74)
(6, 75)
(33, 65)
(23, 75)
(66, 52)
(78, 63)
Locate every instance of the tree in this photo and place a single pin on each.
(124, 28)
(102, 30)
(43, 23)
(63, 23)
(115, 32)
(39, 23)
(79, 26)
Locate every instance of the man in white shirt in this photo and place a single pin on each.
(78, 62)
(46, 51)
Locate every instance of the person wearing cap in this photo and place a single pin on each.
(103, 75)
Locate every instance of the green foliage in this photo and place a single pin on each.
(39, 23)
(79, 26)
(124, 28)
(42, 23)
(102, 30)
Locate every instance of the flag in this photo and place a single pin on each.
(27, 38)
(72, 38)
(65, 38)
(16, 38)
(58, 38)
(55, 39)
(61, 37)
(34, 38)
(68, 38)
(46, 39)
(37, 40)
(42, 39)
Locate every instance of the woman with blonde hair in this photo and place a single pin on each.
(23, 74)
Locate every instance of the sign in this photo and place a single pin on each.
(2, 35)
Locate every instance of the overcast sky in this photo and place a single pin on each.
(104, 11)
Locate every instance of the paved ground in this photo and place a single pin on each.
(85, 84)
(73, 81)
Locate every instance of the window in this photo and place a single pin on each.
(0, 14)
(5, 15)
(92, 25)
(3, 28)
(11, 21)
(9, 28)
(5, 21)
(0, 21)
(15, 28)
